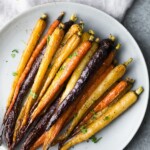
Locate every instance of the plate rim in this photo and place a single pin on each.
(18, 16)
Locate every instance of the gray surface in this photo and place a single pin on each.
(137, 21)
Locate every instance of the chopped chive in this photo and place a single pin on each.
(94, 114)
(48, 39)
(6, 61)
(107, 118)
(13, 55)
(15, 51)
(73, 54)
(83, 129)
(14, 73)
(62, 68)
(33, 94)
(94, 139)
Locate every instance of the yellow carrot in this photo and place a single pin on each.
(64, 72)
(52, 46)
(112, 113)
(33, 40)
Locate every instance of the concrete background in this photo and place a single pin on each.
(137, 21)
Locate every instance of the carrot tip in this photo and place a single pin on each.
(111, 37)
(128, 62)
(61, 26)
(44, 16)
(91, 32)
(73, 17)
(118, 46)
(139, 90)
(91, 38)
(79, 33)
(61, 16)
(81, 23)
(97, 40)
(130, 80)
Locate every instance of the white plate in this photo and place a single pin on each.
(117, 135)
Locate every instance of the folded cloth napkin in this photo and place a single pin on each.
(10, 8)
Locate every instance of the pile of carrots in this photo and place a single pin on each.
(67, 76)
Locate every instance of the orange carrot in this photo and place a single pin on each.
(64, 72)
(55, 129)
(89, 88)
(51, 48)
(36, 52)
(33, 40)
(108, 99)
(93, 79)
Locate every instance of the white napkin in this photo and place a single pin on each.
(10, 8)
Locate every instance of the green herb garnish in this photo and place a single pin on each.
(107, 118)
(6, 61)
(50, 66)
(83, 129)
(13, 55)
(33, 94)
(73, 54)
(15, 51)
(75, 115)
(14, 73)
(48, 39)
(94, 114)
(94, 139)
(62, 68)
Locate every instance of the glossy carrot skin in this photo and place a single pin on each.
(71, 44)
(33, 40)
(87, 91)
(110, 97)
(66, 42)
(105, 47)
(69, 64)
(33, 58)
(77, 72)
(113, 112)
(62, 75)
(51, 134)
(52, 46)
(39, 28)
(110, 79)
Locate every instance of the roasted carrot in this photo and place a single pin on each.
(77, 72)
(112, 113)
(52, 46)
(85, 36)
(97, 77)
(105, 47)
(71, 60)
(34, 37)
(108, 99)
(55, 129)
(68, 48)
(64, 72)
(69, 43)
(110, 79)
(74, 29)
(39, 128)
(36, 52)
(28, 82)
(60, 123)
(112, 96)
(85, 94)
